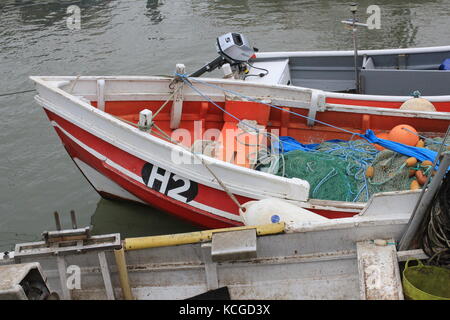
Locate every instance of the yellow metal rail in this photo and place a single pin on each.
(123, 274)
(172, 240)
(194, 237)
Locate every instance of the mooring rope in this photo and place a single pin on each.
(166, 102)
(16, 92)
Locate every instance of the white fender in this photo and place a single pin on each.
(272, 210)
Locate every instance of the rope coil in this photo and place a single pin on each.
(435, 230)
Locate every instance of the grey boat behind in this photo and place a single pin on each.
(392, 72)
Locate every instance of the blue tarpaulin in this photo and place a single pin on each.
(420, 154)
(290, 144)
(445, 65)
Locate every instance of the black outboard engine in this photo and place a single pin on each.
(233, 48)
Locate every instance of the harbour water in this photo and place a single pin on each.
(147, 37)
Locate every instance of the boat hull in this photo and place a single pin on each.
(121, 161)
(114, 173)
(84, 148)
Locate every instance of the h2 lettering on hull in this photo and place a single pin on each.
(168, 183)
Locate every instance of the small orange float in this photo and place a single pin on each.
(426, 163)
(369, 172)
(420, 144)
(421, 178)
(411, 161)
(405, 134)
(414, 185)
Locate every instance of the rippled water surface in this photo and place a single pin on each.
(146, 37)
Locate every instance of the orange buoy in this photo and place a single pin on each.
(414, 185)
(382, 135)
(369, 172)
(411, 162)
(420, 144)
(412, 172)
(405, 134)
(421, 178)
(426, 163)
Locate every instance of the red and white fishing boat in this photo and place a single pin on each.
(97, 121)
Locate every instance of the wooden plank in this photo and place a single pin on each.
(416, 254)
(212, 280)
(62, 269)
(106, 275)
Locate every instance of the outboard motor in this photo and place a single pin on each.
(233, 48)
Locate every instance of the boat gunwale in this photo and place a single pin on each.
(327, 94)
(341, 53)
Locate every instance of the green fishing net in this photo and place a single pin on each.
(435, 143)
(326, 174)
(337, 170)
(390, 173)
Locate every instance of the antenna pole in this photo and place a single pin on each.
(353, 9)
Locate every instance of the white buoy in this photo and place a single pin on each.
(272, 210)
(417, 104)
